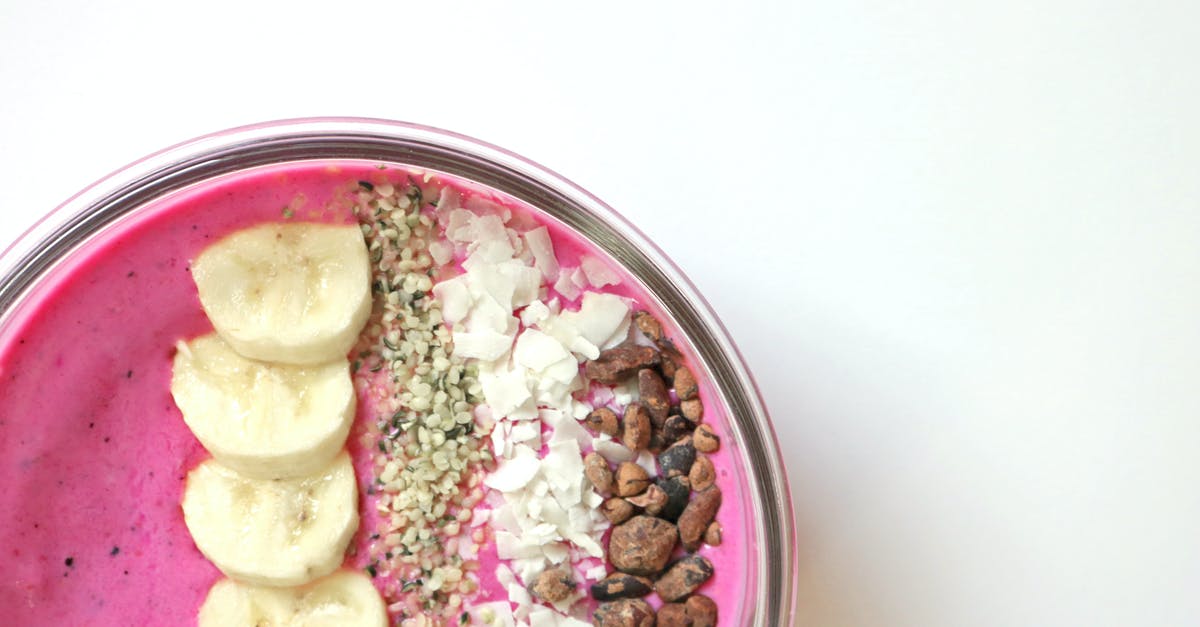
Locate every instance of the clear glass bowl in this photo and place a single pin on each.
(770, 586)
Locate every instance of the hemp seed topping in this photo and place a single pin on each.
(431, 453)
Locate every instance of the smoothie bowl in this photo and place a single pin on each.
(343, 372)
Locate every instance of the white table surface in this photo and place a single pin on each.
(958, 243)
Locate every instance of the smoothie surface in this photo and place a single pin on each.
(94, 452)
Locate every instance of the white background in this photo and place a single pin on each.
(958, 243)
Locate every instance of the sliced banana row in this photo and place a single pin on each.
(270, 396)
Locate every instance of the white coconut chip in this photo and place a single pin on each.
(441, 252)
(488, 252)
(565, 427)
(501, 444)
(458, 226)
(600, 316)
(487, 314)
(526, 282)
(486, 345)
(520, 596)
(543, 252)
(506, 390)
(614, 452)
(535, 313)
(579, 278)
(565, 286)
(528, 433)
(543, 617)
(598, 273)
(455, 297)
(646, 460)
(447, 199)
(516, 472)
(537, 351)
(491, 280)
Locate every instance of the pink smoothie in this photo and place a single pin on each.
(93, 451)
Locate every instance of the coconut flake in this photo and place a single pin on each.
(600, 316)
(488, 252)
(586, 542)
(441, 252)
(593, 500)
(536, 312)
(565, 286)
(484, 206)
(620, 336)
(506, 390)
(543, 252)
(564, 464)
(490, 280)
(579, 278)
(565, 427)
(552, 393)
(486, 345)
(487, 314)
(504, 575)
(455, 298)
(543, 617)
(614, 452)
(646, 461)
(537, 351)
(458, 227)
(509, 546)
(528, 433)
(490, 228)
(519, 596)
(556, 552)
(563, 327)
(625, 392)
(501, 444)
(487, 241)
(598, 273)
(581, 410)
(515, 473)
(447, 199)
(565, 371)
(525, 280)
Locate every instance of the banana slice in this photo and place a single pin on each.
(343, 599)
(291, 293)
(266, 421)
(283, 532)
